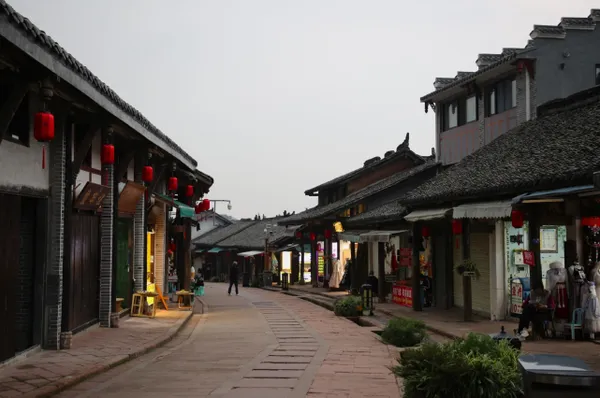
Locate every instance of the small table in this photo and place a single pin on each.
(139, 302)
(183, 298)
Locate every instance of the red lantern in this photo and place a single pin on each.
(173, 184)
(327, 234)
(516, 217)
(206, 204)
(107, 156)
(147, 174)
(172, 247)
(425, 232)
(313, 236)
(457, 227)
(170, 252)
(298, 235)
(198, 208)
(590, 221)
(43, 127)
(189, 191)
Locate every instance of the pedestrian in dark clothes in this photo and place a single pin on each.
(233, 278)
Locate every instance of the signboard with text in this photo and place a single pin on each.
(91, 197)
(402, 295)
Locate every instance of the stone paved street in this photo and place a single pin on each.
(258, 344)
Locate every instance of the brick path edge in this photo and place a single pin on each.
(55, 388)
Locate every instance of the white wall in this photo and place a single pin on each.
(207, 224)
(21, 166)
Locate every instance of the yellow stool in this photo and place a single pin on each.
(181, 300)
(137, 305)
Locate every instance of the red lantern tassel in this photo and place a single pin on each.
(43, 156)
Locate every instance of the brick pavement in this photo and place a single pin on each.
(260, 344)
(93, 351)
(449, 324)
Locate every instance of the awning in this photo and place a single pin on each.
(129, 196)
(164, 199)
(379, 236)
(199, 251)
(351, 236)
(251, 253)
(499, 209)
(215, 250)
(424, 215)
(553, 193)
(289, 247)
(185, 211)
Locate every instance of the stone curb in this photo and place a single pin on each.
(65, 383)
(432, 329)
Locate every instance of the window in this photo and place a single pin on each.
(597, 74)
(471, 105)
(451, 115)
(18, 129)
(501, 97)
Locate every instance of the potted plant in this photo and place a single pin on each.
(468, 268)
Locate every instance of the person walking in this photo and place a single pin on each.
(233, 278)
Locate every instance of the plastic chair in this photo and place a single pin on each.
(576, 322)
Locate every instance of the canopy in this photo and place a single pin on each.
(425, 215)
(350, 236)
(185, 211)
(215, 250)
(251, 253)
(500, 209)
(379, 236)
(553, 193)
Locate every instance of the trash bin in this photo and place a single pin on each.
(246, 279)
(511, 339)
(284, 281)
(554, 376)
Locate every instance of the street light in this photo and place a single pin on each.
(215, 201)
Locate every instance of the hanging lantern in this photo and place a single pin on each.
(189, 191)
(107, 156)
(172, 246)
(313, 236)
(206, 204)
(457, 227)
(425, 232)
(43, 131)
(147, 174)
(590, 222)
(173, 184)
(198, 208)
(327, 234)
(298, 235)
(516, 217)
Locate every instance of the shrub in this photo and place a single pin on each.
(403, 332)
(474, 367)
(348, 306)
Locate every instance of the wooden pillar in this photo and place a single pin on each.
(416, 266)
(534, 244)
(68, 211)
(353, 268)
(381, 270)
(466, 280)
(301, 270)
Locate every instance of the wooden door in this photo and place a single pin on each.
(85, 270)
(25, 306)
(10, 217)
(124, 267)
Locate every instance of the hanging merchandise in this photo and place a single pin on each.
(107, 156)
(147, 174)
(43, 131)
(517, 218)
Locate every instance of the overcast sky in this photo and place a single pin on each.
(273, 97)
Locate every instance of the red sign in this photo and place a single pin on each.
(406, 252)
(405, 261)
(529, 258)
(402, 295)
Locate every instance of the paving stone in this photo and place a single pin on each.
(275, 374)
(266, 383)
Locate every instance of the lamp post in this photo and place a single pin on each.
(215, 201)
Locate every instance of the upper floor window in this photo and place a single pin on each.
(459, 112)
(501, 97)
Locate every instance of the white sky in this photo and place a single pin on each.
(273, 97)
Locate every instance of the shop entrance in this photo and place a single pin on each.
(124, 259)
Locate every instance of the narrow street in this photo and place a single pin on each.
(257, 344)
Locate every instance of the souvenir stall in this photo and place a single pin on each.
(588, 284)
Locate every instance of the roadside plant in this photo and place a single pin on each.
(349, 306)
(475, 367)
(467, 266)
(404, 332)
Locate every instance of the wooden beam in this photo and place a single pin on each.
(10, 107)
(83, 149)
(160, 170)
(125, 157)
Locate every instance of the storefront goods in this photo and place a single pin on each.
(592, 311)
(336, 275)
(556, 283)
(576, 284)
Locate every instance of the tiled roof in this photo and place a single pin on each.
(402, 149)
(355, 197)
(40, 38)
(557, 149)
(389, 211)
(254, 236)
(218, 234)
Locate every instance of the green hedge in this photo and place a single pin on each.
(475, 367)
(403, 332)
(348, 306)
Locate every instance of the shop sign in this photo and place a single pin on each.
(402, 295)
(91, 197)
(516, 297)
(528, 258)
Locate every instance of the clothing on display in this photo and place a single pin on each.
(576, 285)
(592, 311)
(556, 283)
(336, 275)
